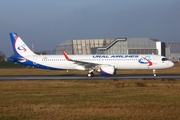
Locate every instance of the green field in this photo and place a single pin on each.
(90, 100)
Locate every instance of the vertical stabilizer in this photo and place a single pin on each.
(19, 47)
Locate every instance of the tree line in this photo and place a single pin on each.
(2, 56)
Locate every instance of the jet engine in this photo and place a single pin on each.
(107, 70)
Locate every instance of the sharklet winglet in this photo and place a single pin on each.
(65, 55)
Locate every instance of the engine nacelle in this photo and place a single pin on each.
(107, 70)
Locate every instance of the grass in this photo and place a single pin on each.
(88, 99)
(6, 64)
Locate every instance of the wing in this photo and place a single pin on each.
(85, 64)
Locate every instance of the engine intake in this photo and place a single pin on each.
(107, 70)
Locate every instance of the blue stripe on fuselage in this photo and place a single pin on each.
(36, 65)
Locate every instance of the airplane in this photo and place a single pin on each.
(104, 64)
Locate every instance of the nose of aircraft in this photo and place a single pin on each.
(171, 64)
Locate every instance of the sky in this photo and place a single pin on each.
(51, 22)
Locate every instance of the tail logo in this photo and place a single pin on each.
(145, 60)
(22, 48)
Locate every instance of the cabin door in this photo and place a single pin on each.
(35, 61)
(154, 60)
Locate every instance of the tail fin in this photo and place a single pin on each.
(19, 47)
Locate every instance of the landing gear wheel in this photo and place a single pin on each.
(90, 74)
(154, 72)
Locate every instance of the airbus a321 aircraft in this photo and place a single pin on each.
(105, 64)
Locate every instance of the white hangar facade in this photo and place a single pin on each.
(173, 51)
(113, 46)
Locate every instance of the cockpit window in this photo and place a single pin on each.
(164, 59)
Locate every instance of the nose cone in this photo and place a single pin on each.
(171, 64)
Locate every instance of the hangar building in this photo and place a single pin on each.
(173, 51)
(112, 46)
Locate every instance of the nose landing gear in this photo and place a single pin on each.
(154, 72)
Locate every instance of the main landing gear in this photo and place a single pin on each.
(91, 74)
(154, 72)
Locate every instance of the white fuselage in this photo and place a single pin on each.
(120, 62)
